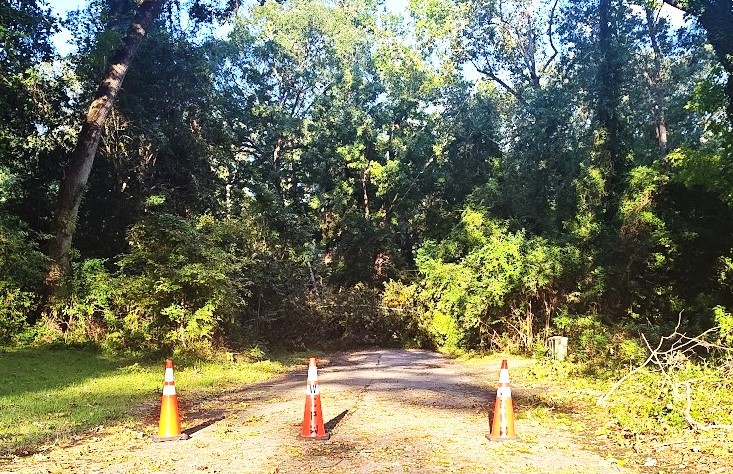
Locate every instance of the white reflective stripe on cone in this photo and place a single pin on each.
(503, 392)
(169, 390)
(312, 374)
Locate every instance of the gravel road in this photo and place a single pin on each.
(388, 411)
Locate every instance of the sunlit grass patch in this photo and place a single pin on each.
(46, 393)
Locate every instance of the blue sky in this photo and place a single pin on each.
(64, 42)
(63, 6)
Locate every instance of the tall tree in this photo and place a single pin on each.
(608, 94)
(654, 78)
(513, 43)
(27, 95)
(72, 185)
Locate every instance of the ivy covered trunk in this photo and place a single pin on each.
(716, 17)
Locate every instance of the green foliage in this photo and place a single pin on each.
(350, 317)
(21, 266)
(706, 168)
(588, 337)
(724, 320)
(655, 404)
(15, 308)
(33, 101)
(331, 170)
(88, 310)
(647, 411)
(597, 346)
(630, 351)
(703, 163)
(642, 270)
(183, 283)
(357, 320)
(181, 280)
(486, 280)
(590, 189)
(400, 302)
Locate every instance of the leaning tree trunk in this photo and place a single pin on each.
(75, 179)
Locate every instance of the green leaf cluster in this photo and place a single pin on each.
(483, 281)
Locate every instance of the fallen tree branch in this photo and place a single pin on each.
(667, 361)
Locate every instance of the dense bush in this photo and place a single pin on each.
(337, 318)
(181, 279)
(487, 287)
(181, 284)
(21, 276)
(190, 284)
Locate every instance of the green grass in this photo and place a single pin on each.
(48, 393)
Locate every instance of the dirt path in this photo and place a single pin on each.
(389, 411)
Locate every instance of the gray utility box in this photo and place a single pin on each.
(558, 346)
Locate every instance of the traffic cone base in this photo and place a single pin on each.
(315, 437)
(180, 437)
(313, 427)
(499, 438)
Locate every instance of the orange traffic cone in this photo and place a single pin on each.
(313, 416)
(503, 425)
(169, 428)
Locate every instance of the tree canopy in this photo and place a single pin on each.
(307, 172)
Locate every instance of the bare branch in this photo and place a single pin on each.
(549, 37)
(667, 361)
(603, 400)
(492, 75)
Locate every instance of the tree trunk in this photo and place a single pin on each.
(655, 83)
(364, 185)
(75, 179)
(608, 79)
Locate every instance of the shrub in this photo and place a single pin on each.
(15, 306)
(587, 336)
(724, 320)
(88, 311)
(21, 275)
(489, 287)
(179, 281)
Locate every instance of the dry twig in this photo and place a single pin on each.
(667, 360)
